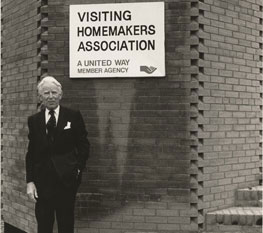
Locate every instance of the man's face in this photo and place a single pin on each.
(50, 95)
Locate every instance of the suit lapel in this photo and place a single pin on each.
(42, 125)
(60, 125)
(61, 121)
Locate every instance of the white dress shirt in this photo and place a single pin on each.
(56, 113)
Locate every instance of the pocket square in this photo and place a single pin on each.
(68, 126)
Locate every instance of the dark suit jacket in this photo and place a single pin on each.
(67, 153)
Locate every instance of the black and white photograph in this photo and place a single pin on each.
(131, 116)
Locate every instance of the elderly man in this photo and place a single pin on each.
(57, 152)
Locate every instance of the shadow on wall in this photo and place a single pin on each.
(141, 153)
(138, 129)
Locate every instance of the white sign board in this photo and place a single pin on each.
(117, 40)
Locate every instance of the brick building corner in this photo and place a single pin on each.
(165, 151)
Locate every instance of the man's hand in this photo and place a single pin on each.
(31, 191)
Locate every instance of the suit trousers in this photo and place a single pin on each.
(60, 204)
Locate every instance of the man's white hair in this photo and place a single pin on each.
(48, 79)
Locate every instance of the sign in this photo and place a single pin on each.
(117, 40)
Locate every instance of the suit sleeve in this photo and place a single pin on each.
(29, 154)
(82, 143)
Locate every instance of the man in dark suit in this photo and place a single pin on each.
(57, 152)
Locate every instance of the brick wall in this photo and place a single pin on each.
(19, 72)
(164, 150)
(138, 173)
(230, 104)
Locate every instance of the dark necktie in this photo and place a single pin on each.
(51, 124)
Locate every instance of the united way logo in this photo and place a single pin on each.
(147, 69)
